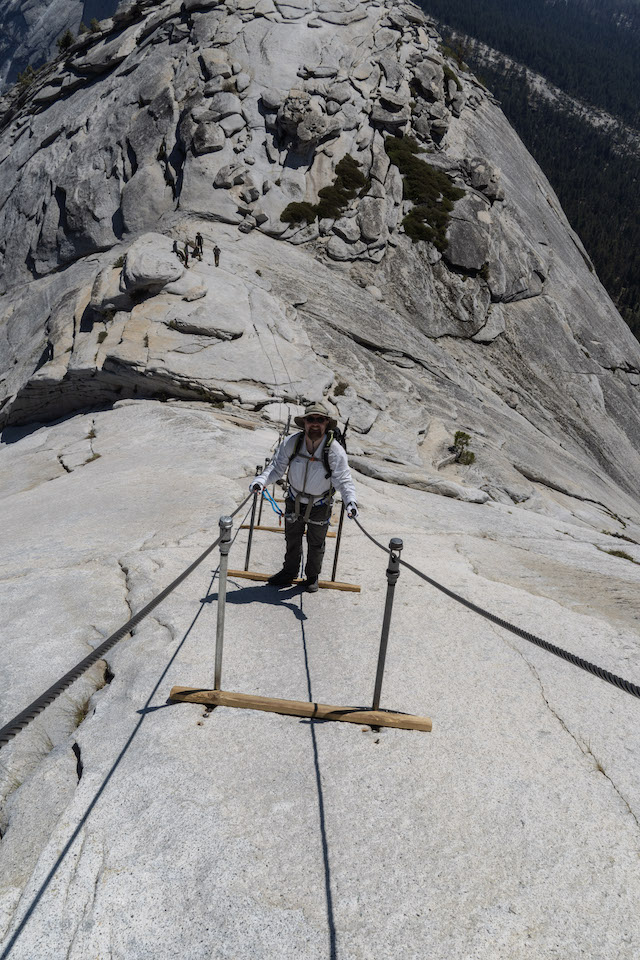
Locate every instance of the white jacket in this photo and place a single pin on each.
(307, 474)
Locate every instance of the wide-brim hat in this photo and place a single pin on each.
(318, 410)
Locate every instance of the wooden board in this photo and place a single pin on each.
(301, 708)
(246, 526)
(323, 584)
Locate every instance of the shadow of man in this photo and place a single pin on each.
(262, 594)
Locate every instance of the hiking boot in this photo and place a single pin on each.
(281, 579)
(311, 586)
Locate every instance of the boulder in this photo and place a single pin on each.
(293, 110)
(347, 228)
(108, 53)
(316, 127)
(149, 264)
(371, 218)
(468, 244)
(146, 197)
(224, 105)
(343, 17)
(106, 293)
(189, 286)
(494, 326)
(230, 175)
(233, 124)
(208, 138)
(340, 92)
(430, 79)
(215, 64)
(272, 99)
(337, 249)
(484, 177)
(391, 119)
(243, 81)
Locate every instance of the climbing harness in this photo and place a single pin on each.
(324, 500)
(332, 436)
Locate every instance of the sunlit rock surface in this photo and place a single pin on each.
(139, 388)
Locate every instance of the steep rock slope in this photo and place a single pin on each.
(150, 829)
(218, 117)
(30, 29)
(132, 829)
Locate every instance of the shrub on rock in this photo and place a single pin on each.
(65, 41)
(431, 190)
(334, 199)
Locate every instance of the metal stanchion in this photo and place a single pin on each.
(338, 539)
(342, 510)
(253, 520)
(266, 464)
(225, 545)
(393, 572)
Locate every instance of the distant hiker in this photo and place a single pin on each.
(317, 464)
(178, 251)
(186, 253)
(199, 244)
(216, 255)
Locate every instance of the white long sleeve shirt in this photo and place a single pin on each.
(307, 474)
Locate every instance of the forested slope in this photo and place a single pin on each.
(592, 52)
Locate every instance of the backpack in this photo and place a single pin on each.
(333, 436)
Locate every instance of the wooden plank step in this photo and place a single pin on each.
(301, 708)
(247, 526)
(323, 584)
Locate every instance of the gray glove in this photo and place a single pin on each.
(352, 510)
(256, 487)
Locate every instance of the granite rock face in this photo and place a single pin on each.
(30, 29)
(224, 118)
(186, 257)
(114, 797)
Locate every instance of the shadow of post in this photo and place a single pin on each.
(333, 947)
(103, 786)
(245, 595)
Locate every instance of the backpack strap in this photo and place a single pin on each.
(296, 447)
(325, 452)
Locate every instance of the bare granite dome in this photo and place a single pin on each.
(227, 118)
(373, 234)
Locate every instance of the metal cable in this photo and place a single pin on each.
(597, 671)
(29, 713)
(276, 382)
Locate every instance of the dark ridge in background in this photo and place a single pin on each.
(591, 50)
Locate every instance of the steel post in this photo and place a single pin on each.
(225, 545)
(266, 464)
(253, 520)
(393, 572)
(338, 539)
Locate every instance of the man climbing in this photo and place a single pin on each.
(199, 245)
(317, 464)
(216, 255)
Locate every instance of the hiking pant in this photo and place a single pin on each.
(316, 536)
